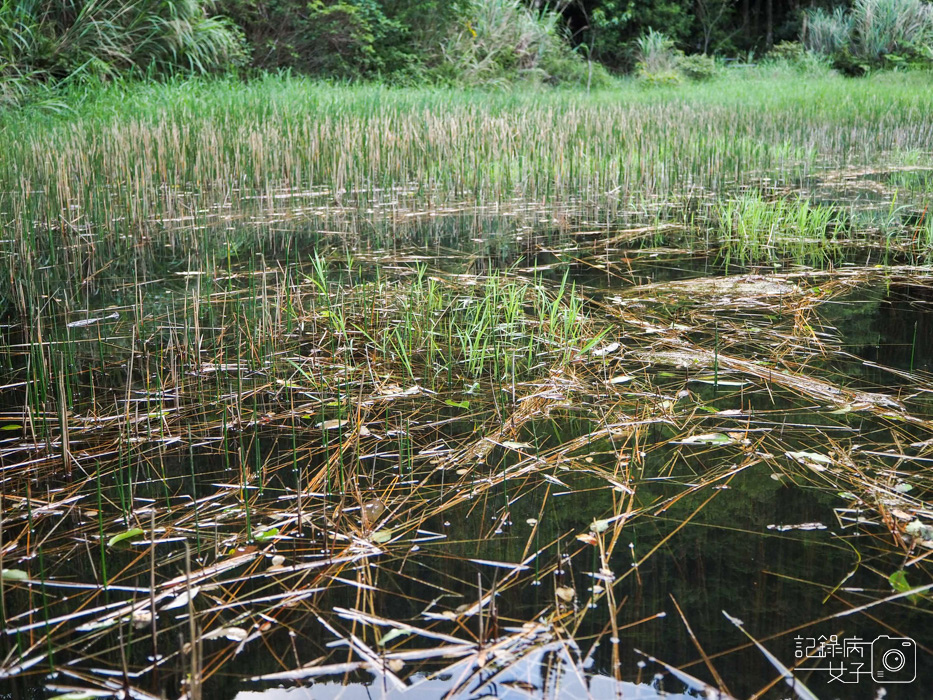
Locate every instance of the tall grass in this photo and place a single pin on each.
(141, 173)
(73, 41)
(882, 27)
(827, 32)
(873, 31)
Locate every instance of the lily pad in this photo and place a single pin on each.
(898, 581)
(394, 634)
(809, 458)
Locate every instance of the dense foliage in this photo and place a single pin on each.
(873, 34)
(69, 40)
(456, 42)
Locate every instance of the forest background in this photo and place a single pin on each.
(51, 45)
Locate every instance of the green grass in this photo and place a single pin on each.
(138, 169)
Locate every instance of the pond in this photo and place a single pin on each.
(468, 450)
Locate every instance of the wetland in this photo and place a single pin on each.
(314, 392)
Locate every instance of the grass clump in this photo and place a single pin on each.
(873, 34)
(658, 62)
(67, 42)
(761, 229)
(503, 41)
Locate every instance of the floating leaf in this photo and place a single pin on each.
(805, 457)
(898, 581)
(182, 599)
(903, 487)
(12, 426)
(332, 424)
(14, 575)
(598, 526)
(381, 536)
(621, 379)
(457, 404)
(234, 634)
(514, 445)
(125, 536)
(565, 593)
(394, 634)
(608, 350)
(705, 439)
(919, 531)
(371, 511)
(266, 535)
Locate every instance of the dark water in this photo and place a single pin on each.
(770, 545)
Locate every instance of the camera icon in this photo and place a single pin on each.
(893, 659)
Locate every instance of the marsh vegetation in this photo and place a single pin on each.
(313, 385)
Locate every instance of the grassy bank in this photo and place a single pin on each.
(114, 177)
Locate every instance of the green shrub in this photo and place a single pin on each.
(667, 78)
(826, 33)
(790, 51)
(65, 41)
(884, 27)
(503, 41)
(874, 34)
(332, 38)
(656, 54)
(697, 67)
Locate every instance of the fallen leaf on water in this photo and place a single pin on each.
(381, 536)
(598, 526)
(182, 599)
(705, 439)
(514, 445)
(608, 350)
(332, 424)
(814, 460)
(14, 575)
(565, 593)
(621, 379)
(266, 535)
(234, 634)
(393, 634)
(371, 511)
